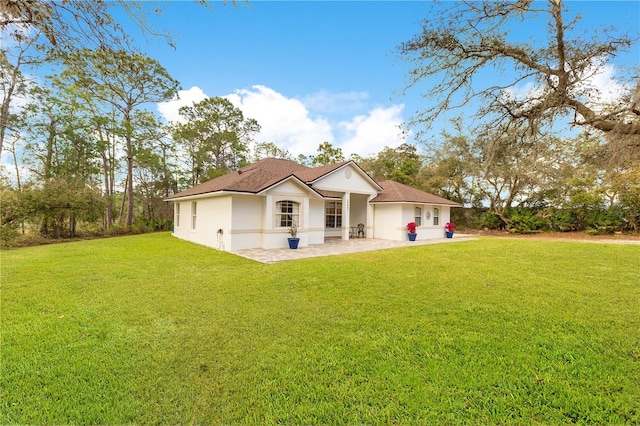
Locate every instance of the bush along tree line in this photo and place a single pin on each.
(535, 184)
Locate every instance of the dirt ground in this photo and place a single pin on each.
(570, 236)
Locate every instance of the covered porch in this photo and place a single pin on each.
(349, 215)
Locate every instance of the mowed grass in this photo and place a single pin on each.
(153, 330)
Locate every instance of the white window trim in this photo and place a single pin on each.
(436, 216)
(417, 216)
(336, 215)
(177, 224)
(194, 215)
(295, 214)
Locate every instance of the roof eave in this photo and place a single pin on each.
(207, 195)
(415, 202)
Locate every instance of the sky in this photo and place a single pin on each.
(315, 71)
(310, 72)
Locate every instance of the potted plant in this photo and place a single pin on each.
(411, 228)
(293, 240)
(449, 228)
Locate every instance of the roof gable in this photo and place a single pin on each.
(345, 177)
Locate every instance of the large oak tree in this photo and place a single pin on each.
(463, 42)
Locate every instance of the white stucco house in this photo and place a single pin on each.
(255, 206)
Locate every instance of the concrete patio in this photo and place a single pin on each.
(335, 246)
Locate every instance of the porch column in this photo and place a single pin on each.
(346, 214)
(370, 225)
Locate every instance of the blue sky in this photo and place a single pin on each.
(327, 71)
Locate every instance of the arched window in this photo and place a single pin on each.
(287, 214)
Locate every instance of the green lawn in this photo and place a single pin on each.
(153, 330)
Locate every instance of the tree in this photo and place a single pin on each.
(215, 137)
(327, 154)
(461, 42)
(126, 82)
(401, 164)
(155, 174)
(269, 150)
(44, 31)
(452, 168)
(52, 30)
(12, 81)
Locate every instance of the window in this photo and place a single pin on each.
(287, 214)
(436, 217)
(194, 213)
(177, 215)
(418, 216)
(333, 214)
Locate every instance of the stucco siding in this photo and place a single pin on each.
(275, 236)
(390, 221)
(315, 230)
(386, 219)
(348, 179)
(246, 221)
(212, 214)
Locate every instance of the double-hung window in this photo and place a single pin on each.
(177, 215)
(418, 216)
(436, 216)
(333, 214)
(287, 214)
(194, 214)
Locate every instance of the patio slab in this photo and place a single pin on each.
(336, 246)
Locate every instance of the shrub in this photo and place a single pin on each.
(562, 220)
(604, 221)
(491, 220)
(524, 221)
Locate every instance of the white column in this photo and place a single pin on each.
(346, 215)
(370, 217)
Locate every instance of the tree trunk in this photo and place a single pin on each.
(108, 219)
(47, 172)
(124, 198)
(129, 191)
(72, 224)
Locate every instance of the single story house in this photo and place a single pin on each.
(255, 206)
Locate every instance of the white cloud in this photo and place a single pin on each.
(284, 121)
(602, 88)
(185, 98)
(326, 102)
(290, 124)
(369, 134)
